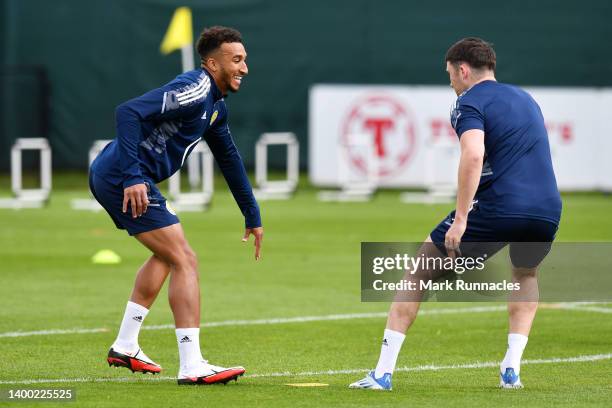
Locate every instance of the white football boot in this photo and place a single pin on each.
(370, 382)
(206, 373)
(509, 379)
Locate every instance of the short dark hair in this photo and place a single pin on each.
(211, 38)
(476, 52)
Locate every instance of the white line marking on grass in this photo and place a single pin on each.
(279, 320)
(586, 307)
(88, 379)
(428, 367)
(52, 332)
(594, 309)
(348, 316)
(433, 367)
(578, 306)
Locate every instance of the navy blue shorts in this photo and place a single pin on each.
(530, 239)
(110, 197)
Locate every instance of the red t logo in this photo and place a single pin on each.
(379, 126)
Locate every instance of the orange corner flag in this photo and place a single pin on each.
(180, 31)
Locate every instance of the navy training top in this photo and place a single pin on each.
(518, 180)
(157, 131)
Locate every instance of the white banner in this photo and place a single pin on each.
(413, 144)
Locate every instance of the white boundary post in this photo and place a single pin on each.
(276, 189)
(35, 197)
(90, 203)
(194, 200)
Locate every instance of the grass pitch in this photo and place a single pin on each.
(309, 271)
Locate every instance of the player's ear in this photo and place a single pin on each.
(210, 63)
(464, 70)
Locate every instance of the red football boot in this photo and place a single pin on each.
(209, 374)
(137, 361)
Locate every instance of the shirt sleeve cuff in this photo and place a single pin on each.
(132, 180)
(252, 218)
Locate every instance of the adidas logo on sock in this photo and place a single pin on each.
(185, 339)
(137, 318)
(385, 342)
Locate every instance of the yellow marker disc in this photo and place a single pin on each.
(308, 385)
(106, 257)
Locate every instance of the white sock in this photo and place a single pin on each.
(189, 348)
(391, 346)
(516, 346)
(127, 339)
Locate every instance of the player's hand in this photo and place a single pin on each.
(136, 196)
(258, 234)
(453, 237)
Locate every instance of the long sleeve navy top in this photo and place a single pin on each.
(157, 131)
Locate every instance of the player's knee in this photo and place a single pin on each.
(192, 258)
(167, 263)
(186, 259)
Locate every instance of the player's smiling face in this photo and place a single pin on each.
(231, 58)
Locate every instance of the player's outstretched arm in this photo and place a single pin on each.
(230, 163)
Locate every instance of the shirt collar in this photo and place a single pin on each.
(214, 89)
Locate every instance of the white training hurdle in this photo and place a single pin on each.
(276, 189)
(29, 197)
(355, 186)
